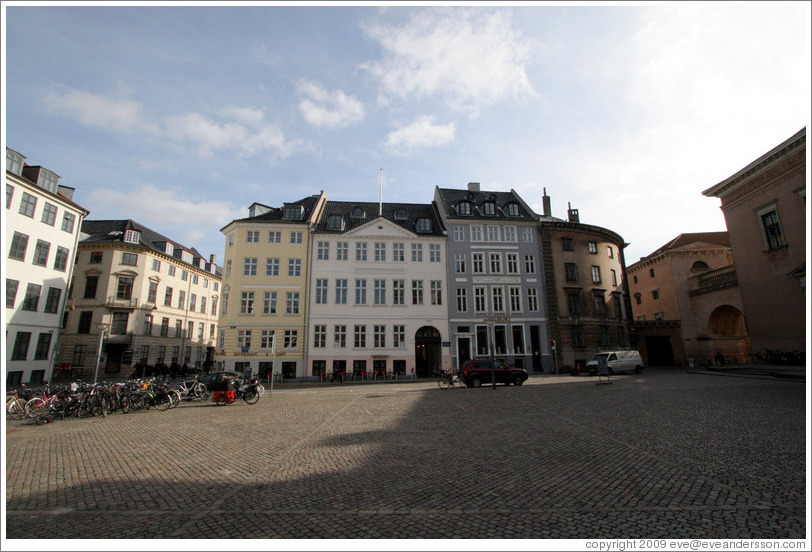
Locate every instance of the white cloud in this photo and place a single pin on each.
(422, 133)
(322, 108)
(467, 58)
(116, 115)
(245, 115)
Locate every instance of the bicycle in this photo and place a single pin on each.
(197, 390)
(447, 381)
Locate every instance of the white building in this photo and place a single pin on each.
(378, 291)
(41, 232)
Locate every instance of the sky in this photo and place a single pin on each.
(182, 116)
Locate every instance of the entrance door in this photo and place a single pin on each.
(427, 352)
(535, 348)
(115, 352)
(463, 350)
(660, 351)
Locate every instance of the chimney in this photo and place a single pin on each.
(212, 258)
(572, 214)
(545, 202)
(473, 186)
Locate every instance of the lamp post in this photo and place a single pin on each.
(102, 328)
(490, 321)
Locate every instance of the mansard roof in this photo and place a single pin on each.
(355, 214)
(452, 198)
(277, 214)
(717, 238)
(113, 231)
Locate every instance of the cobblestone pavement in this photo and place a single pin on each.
(665, 454)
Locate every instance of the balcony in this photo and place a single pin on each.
(125, 338)
(117, 303)
(713, 280)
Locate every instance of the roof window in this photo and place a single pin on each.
(423, 225)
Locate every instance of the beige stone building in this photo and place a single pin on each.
(686, 302)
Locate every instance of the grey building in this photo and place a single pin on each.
(495, 277)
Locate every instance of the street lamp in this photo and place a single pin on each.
(102, 329)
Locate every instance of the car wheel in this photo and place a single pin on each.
(517, 381)
(638, 369)
(476, 382)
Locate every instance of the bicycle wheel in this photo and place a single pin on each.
(444, 382)
(203, 392)
(221, 400)
(136, 401)
(175, 397)
(251, 396)
(163, 402)
(98, 408)
(16, 409)
(35, 407)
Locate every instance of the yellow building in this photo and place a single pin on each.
(263, 316)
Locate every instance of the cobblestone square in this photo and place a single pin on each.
(665, 454)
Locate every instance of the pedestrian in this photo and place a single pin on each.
(719, 358)
(184, 370)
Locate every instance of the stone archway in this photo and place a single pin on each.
(428, 351)
(728, 331)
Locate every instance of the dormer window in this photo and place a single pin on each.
(293, 212)
(186, 256)
(170, 249)
(423, 225)
(489, 208)
(512, 209)
(14, 162)
(357, 213)
(401, 214)
(335, 222)
(463, 208)
(132, 236)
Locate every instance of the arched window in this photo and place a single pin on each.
(401, 214)
(489, 208)
(423, 225)
(463, 208)
(357, 213)
(699, 265)
(512, 209)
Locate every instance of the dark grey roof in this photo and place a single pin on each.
(276, 214)
(451, 198)
(112, 231)
(404, 215)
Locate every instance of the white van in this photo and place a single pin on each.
(618, 362)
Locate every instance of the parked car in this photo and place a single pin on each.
(192, 369)
(213, 380)
(617, 361)
(478, 371)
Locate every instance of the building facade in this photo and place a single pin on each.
(378, 291)
(263, 317)
(764, 205)
(42, 228)
(496, 301)
(137, 298)
(686, 301)
(585, 275)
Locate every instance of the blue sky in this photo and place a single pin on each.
(180, 117)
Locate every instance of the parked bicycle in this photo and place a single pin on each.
(448, 380)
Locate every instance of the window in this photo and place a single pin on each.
(361, 251)
(529, 264)
(399, 336)
(610, 252)
(417, 292)
(85, 321)
(527, 234)
(192, 302)
(214, 306)
(335, 222)
(459, 263)
(571, 272)
(119, 325)
(9, 195)
(321, 291)
(266, 339)
(341, 291)
(244, 340)
(274, 237)
(294, 267)
(319, 336)
(489, 208)
(398, 252)
(379, 336)
(596, 274)
(28, 205)
(19, 245)
(292, 302)
(52, 299)
(96, 257)
(171, 269)
(268, 303)
(566, 244)
(195, 279)
(603, 339)
(124, 290)
(148, 324)
(462, 300)
(296, 237)
(512, 209)
(574, 303)
(434, 253)
(476, 233)
(480, 303)
(181, 299)
(772, 229)
(249, 266)
(61, 259)
(518, 340)
(41, 253)
(168, 297)
(398, 292)
(230, 240)
(252, 236)
(49, 214)
(459, 233)
(271, 266)
(341, 251)
(417, 252)
(423, 225)
(532, 300)
(359, 336)
(699, 265)
(512, 263)
(11, 292)
(593, 248)
(164, 327)
(132, 236)
(340, 336)
(68, 220)
(493, 233)
(360, 291)
(600, 304)
(510, 233)
(380, 292)
(31, 299)
(380, 252)
(436, 292)
(515, 293)
(614, 277)
(651, 272)
(91, 285)
(497, 295)
(21, 341)
(152, 294)
(655, 294)
(357, 213)
(463, 208)
(478, 262)
(129, 259)
(495, 262)
(323, 251)
(617, 306)
(638, 298)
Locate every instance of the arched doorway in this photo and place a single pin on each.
(728, 332)
(428, 351)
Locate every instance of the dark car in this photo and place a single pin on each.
(478, 371)
(192, 369)
(213, 380)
